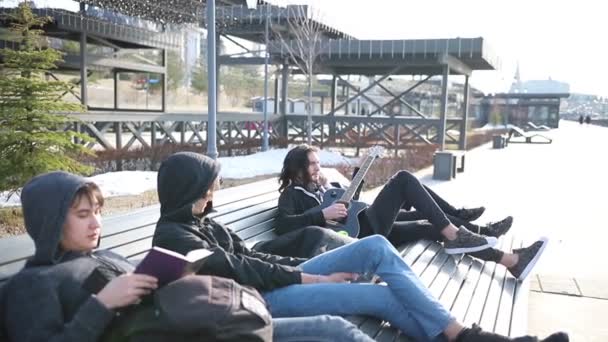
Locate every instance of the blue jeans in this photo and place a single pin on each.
(316, 329)
(405, 303)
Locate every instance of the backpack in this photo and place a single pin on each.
(196, 308)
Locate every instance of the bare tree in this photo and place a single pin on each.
(300, 38)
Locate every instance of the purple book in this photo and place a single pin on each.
(168, 266)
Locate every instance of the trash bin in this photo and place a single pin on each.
(498, 141)
(444, 165)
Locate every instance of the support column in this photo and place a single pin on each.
(266, 54)
(332, 123)
(347, 96)
(462, 142)
(83, 58)
(211, 71)
(276, 93)
(444, 107)
(118, 131)
(163, 92)
(284, 82)
(115, 79)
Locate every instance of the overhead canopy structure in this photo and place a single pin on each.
(163, 11)
(248, 24)
(69, 25)
(399, 57)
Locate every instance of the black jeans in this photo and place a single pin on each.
(385, 216)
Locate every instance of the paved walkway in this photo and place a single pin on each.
(557, 190)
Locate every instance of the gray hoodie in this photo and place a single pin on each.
(52, 298)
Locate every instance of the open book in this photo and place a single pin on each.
(168, 266)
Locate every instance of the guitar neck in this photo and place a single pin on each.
(354, 184)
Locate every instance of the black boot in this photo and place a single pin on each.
(471, 214)
(497, 229)
(475, 334)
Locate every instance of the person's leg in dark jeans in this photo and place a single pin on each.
(411, 226)
(405, 190)
(464, 214)
(494, 229)
(411, 231)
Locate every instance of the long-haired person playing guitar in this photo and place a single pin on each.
(302, 198)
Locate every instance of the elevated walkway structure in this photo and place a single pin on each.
(340, 55)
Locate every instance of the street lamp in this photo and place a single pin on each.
(252, 4)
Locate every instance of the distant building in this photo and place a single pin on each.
(518, 109)
(540, 87)
(537, 86)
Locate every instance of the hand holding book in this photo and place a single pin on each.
(168, 266)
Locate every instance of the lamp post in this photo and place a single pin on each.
(252, 4)
(212, 82)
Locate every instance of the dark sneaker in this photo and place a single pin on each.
(475, 334)
(468, 242)
(471, 214)
(497, 229)
(527, 258)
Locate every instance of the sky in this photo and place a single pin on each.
(560, 39)
(563, 40)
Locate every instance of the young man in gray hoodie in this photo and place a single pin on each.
(55, 297)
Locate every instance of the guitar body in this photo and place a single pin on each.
(351, 223)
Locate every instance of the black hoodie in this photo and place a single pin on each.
(186, 177)
(49, 299)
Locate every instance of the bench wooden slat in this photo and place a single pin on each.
(415, 251)
(519, 316)
(479, 296)
(371, 326)
(267, 235)
(452, 290)
(134, 247)
(434, 270)
(448, 270)
(250, 217)
(257, 230)
(9, 270)
(461, 304)
(117, 224)
(483, 301)
(422, 263)
(494, 298)
(224, 212)
(390, 334)
(505, 310)
(126, 237)
(15, 248)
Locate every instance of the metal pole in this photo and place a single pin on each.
(462, 142)
(266, 52)
(211, 70)
(276, 93)
(115, 79)
(444, 107)
(83, 59)
(164, 84)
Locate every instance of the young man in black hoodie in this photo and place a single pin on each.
(298, 287)
(53, 299)
(434, 218)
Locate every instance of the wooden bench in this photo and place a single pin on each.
(474, 291)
